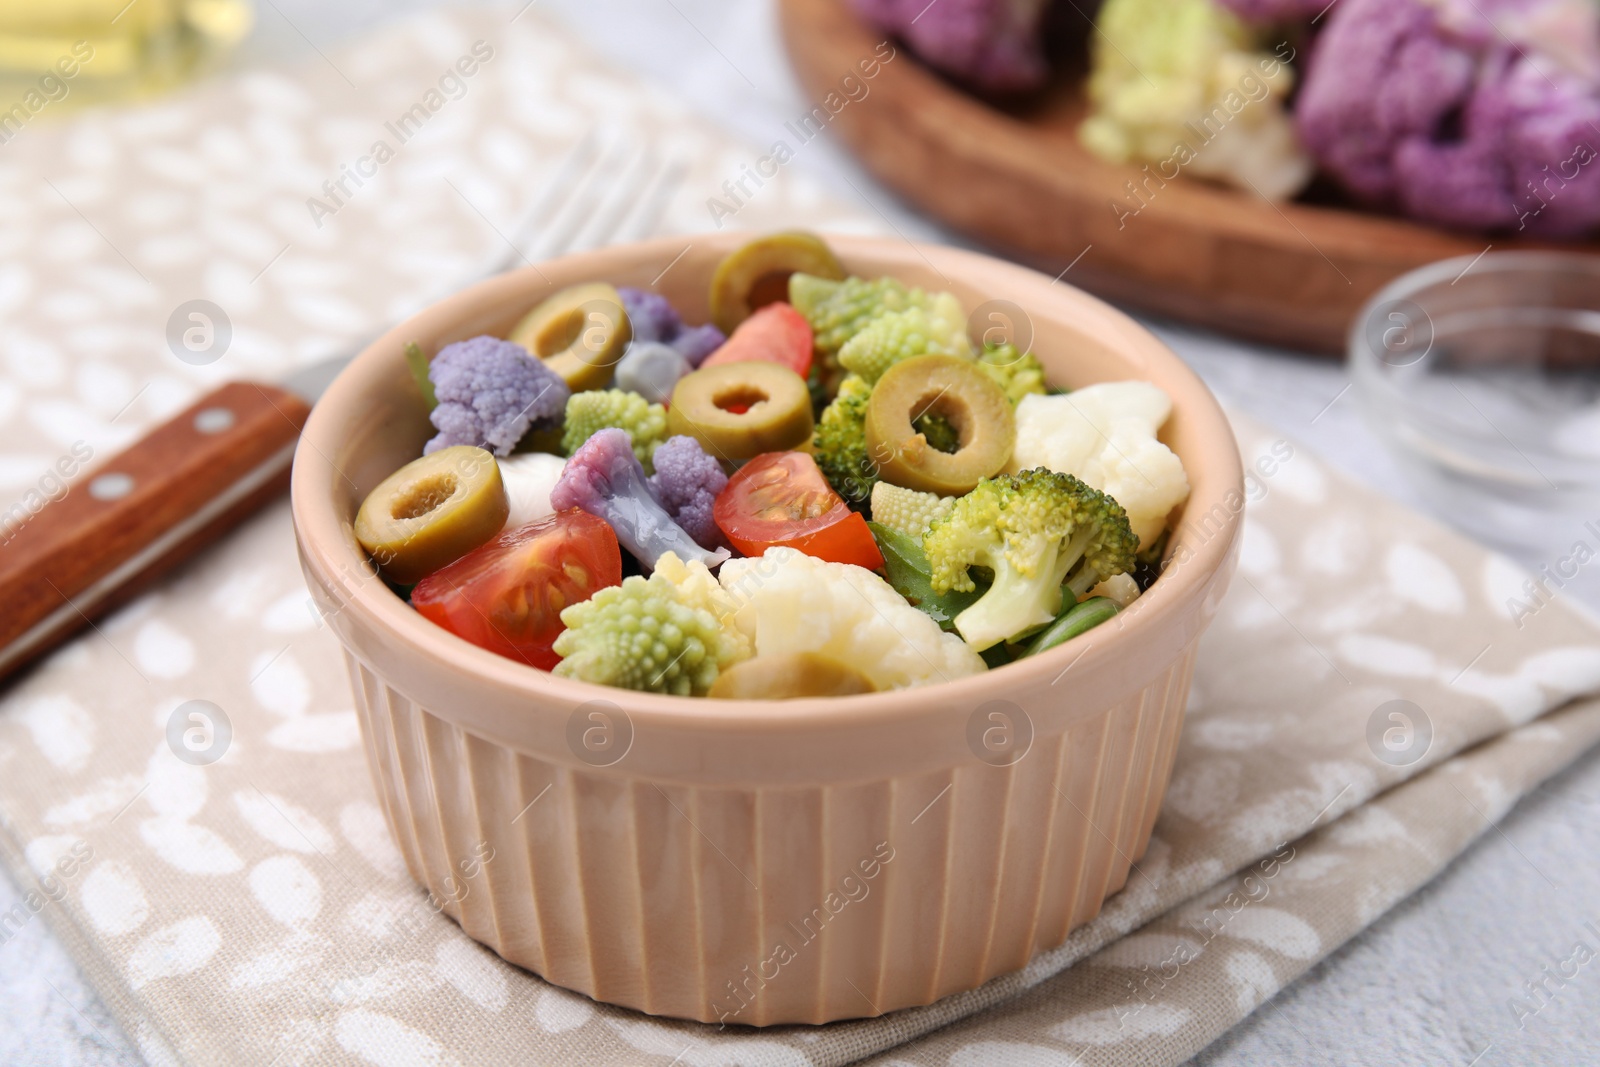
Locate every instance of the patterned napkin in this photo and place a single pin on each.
(1368, 702)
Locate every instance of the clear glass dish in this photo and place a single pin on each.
(1483, 376)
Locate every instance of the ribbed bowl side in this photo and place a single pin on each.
(763, 906)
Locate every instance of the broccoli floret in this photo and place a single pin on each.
(590, 412)
(1034, 530)
(669, 633)
(908, 511)
(686, 483)
(1018, 374)
(604, 478)
(840, 443)
(651, 315)
(489, 393)
(940, 433)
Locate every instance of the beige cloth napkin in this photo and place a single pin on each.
(254, 910)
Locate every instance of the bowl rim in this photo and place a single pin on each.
(328, 549)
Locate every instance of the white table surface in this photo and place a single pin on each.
(1429, 983)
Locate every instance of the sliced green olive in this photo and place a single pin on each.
(959, 392)
(757, 274)
(580, 333)
(740, 410)
(788, 677)
(431, 512)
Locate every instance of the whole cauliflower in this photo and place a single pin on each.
(1480, 114)
(1105, 435)
(1180, 84)
(791, 602)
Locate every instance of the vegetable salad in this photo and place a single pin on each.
(827, 490)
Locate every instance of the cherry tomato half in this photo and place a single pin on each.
(781, 498)
(507, 595)
(776, 333)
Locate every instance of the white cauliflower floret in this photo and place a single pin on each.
(791, 602)
(1105, 435)
(529, 478)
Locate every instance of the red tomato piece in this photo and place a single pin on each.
(781, 498)
(776, 333)
(507, 596)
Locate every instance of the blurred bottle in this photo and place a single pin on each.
(55, 54)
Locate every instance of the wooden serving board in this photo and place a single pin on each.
(1017, 179)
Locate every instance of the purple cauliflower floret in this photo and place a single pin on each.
(996, 45)
(686, 483)
(605, 478)
(695, 343)
(490, 392)
(1480, 114)
(651, 315)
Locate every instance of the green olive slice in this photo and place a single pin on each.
(431, 512)
(959, 391)
(740, 410)
(579, 332)
(757, 274)
(788, 677)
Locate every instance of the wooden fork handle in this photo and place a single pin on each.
(83, 541)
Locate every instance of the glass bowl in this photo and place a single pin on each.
(1483, 376)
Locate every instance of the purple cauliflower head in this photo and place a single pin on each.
(686, 483)
(605, 478)
(994, 44)
(490, 392)
(1481, 114)
(651, 315)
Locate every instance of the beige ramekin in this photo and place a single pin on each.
(767, 862)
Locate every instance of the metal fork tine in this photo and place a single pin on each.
(562, 231)
(652, 202)
(562, 185)
(618, 202)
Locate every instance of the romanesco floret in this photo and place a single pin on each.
(790, 602)
(939, 328)
(1105, 434)
(489, 393)
(840, 443)
(590, 412)
(908, 511)
(837, 311)
(668, 633)
(1017, 373)
(1035, 531)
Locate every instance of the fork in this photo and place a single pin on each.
(193, 478)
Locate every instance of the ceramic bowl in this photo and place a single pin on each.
(767, 862)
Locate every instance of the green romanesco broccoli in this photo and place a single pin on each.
(837, 311)
(669, 633)
(1017, 374)
(1035, 530)
(840, 443)
(908, 511)
(597, 409)
(938, 328)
